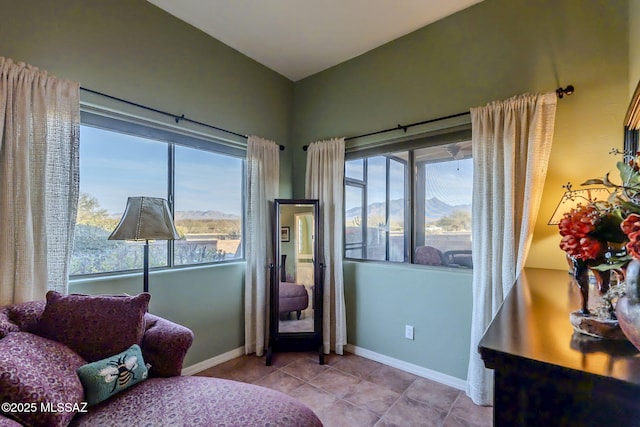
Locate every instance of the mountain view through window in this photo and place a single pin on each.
(440, 209)
(207, 194)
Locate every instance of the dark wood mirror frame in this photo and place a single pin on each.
(632, 125)
(295, 341)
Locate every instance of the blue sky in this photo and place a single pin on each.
(115, 166)
(450, 181)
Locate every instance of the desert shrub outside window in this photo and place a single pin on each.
(411, 205)
(202, 181)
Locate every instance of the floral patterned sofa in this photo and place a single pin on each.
(43, 345)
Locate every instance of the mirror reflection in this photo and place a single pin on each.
(296, 269)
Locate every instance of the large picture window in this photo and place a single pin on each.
(202, 182)
(411, 206)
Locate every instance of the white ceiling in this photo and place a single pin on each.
(298, 38)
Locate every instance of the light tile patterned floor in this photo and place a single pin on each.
(352, 391)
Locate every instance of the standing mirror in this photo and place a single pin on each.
(296, 279)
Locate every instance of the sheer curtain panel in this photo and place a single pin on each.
(325, 182)
(39, 177)
(263, 175)
(511, 143)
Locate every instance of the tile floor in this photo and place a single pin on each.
(353, 391)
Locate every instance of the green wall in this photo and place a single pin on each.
(381, 298)
(490, 51)
(133, 50)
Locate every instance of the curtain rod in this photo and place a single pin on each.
(175, 117)
(561, 92)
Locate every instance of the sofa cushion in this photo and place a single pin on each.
(6, 422)
(198, 401)
(36, 371)
(104, 378)
(95, 326)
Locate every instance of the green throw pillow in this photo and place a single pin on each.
(104, 378)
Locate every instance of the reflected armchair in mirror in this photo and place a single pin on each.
(292, 296)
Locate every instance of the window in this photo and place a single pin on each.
(379, 184)
(202, 180)
(208, 206)
(443, 188)
(114, 166)
(424, 216)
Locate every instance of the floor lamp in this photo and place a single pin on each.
(145, 218)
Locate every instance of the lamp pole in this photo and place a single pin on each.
(146, 266)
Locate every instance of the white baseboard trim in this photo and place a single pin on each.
(408, 367)
(214, 361)
(358, 351)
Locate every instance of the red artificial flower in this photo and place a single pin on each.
(591, 248)
(584, 248)
(633, 246)
(579, 221)
(575, 227)
(631, 227)
(631, 224)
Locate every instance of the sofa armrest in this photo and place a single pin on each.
(20, 317)
(165, 345)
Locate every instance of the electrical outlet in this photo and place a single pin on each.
(408, 332)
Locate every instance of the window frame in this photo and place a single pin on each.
(360, 184)
(387, 148)
(363, 185)
(172, 137)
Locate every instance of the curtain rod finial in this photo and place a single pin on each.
(566, 91)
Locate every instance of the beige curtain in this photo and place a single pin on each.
(39, 143)
(511, 143)
(263, 175)
(325, 182)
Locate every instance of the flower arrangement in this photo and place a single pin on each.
(590, 235)
(604, 235)
(592, 232)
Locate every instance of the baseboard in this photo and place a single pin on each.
(408, 367)
(214, 361)
(363, 352)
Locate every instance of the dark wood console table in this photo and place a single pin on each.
(547, 375)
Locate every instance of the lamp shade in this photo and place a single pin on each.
(572, 198)
(145, 218)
